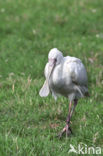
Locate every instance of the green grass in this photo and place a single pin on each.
(28, 30)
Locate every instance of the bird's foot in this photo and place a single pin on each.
(66, 130)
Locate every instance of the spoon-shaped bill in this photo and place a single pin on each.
(44, 91)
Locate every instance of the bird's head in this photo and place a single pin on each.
(54, 57)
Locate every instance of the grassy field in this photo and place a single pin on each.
(28, 30)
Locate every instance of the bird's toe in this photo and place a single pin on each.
(66, 130)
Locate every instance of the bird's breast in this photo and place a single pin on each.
(60, 81)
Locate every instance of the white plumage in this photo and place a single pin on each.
(68, 77)
(65, 76)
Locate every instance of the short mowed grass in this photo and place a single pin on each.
(28, 30)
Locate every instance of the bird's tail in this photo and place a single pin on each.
(79, 90)
(83, 90)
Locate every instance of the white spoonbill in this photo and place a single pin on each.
(65, 76)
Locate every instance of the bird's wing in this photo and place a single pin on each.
(77, 71)
(78, 75)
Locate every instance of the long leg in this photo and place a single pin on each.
(67, 128)
(71, 111)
